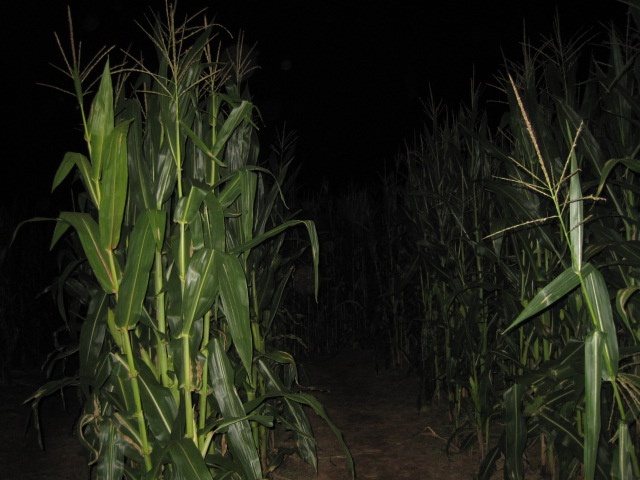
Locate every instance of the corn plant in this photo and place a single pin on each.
(569, 374)
(177, 277)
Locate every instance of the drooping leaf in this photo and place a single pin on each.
(102, 261)
(240, 437)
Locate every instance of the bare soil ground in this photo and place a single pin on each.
(388, 437)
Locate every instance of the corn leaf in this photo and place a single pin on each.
(516, 432)
(135, 279)
(592, 380)
(313, 237)
(214, 226)
(235, 304)
(188, 206)
(160, 409)
(239, 435)
(111, 458)
(575, 215)
(598, 296)
(99, 258)
(92, 335)
(248, 185)
(238, 115)
(563, 284)
(297, 418)
(113, 186)
(84, 167)
(201, 286)
(622, 468)
(101, 121)
(187, 459)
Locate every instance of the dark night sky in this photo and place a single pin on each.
(354, 76)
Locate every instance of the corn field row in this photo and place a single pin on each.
(502, 262)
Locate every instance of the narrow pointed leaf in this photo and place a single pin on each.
(92, 337)
(240, 437)
(201, 287)
(598, 295)
(622, 468)
(575, 215)
(135, 279)
(592, 382)
(235, 303)
(101, 121)
(99, 258)
(238, 115)
(563, 284)
(516, 432)
(113, 186)
(111, 459)
(187, 459)
(160, 409)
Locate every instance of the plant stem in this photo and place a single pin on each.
(133, 373)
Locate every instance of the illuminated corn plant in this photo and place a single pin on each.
(178, 278)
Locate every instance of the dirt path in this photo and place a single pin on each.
(20, 454)
(388, 437)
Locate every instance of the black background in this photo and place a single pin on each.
(349, 77)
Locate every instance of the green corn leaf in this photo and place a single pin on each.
(630, 163)
(84, 167)
(187, 459)
(101, 121)
(622, 467)
(240, 436)
(188, 206)
(113, 184)
(101, 260)
(214, 226)
(231, 191)
(135, 279)
(622, 298)
(112, 448)
(92, 337)
(563, 284)
(235, 303)
(238, 115)
(299, 422)
(313, 237)
(201, 286)
(160, 409)
(248, 181)
(602, 316)
(200, 144)
(121, 381)
(575, 215)
(516, 432)
(592, 382)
